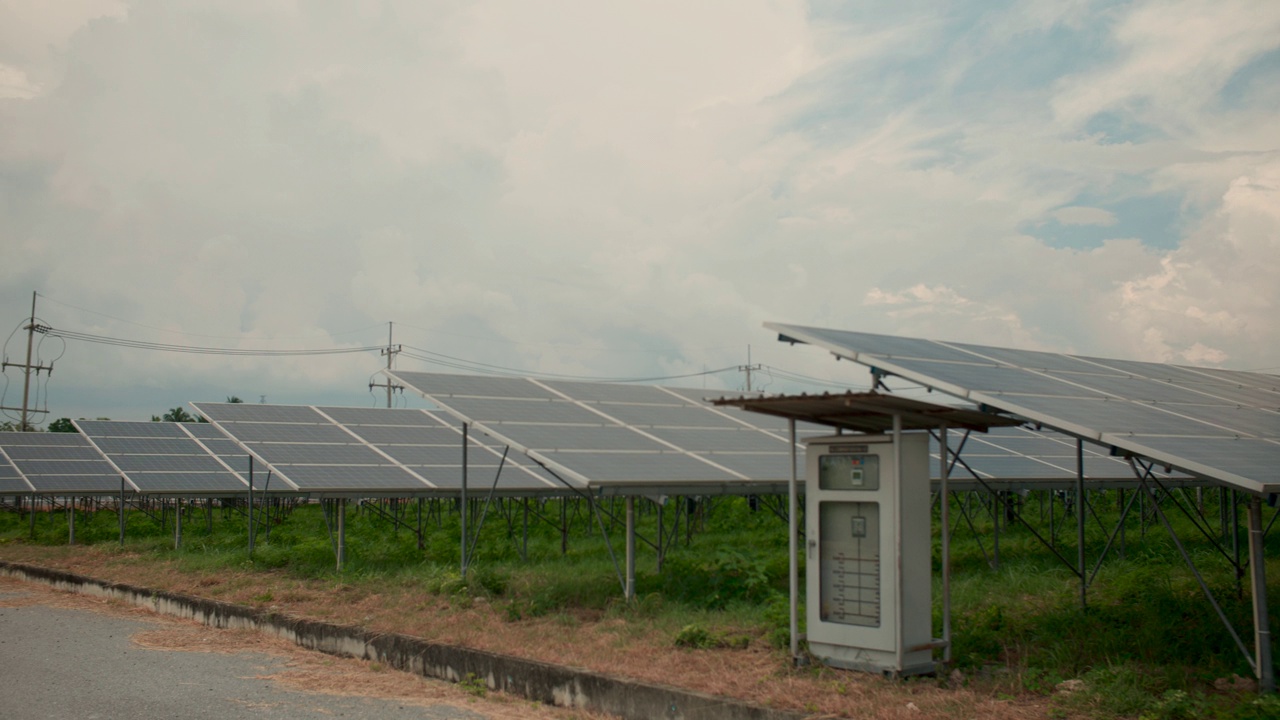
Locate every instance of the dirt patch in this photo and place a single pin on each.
(305, 671)
(628, 647)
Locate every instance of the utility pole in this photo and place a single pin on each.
(32, 328)
(390, 352)
(748, 368)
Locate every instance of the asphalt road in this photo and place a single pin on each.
(63, 663)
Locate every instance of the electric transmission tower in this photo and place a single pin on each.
(390, 352)
(32, 328)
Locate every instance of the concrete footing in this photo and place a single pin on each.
(538, 681)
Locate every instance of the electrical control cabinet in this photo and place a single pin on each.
(868, 542)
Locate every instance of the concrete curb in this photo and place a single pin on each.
(542, 682)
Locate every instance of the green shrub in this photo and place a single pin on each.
(694, 636)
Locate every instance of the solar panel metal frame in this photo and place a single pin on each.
(841, 344)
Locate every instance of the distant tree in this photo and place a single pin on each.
(234, 399)
(174, 415)
(11, 426)
(62, 425)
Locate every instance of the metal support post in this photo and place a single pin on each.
(564, 526)
(995, 526)
(899, 631)
(943, 473)
(1079, 520)
(342, 533)
(464, 502)
(71, 520)
(1120, 506)
(177, 525)
(251, 528)
(793, 534)
(1080, 509)
(1261, 622)
(631, 549)
(120, 509)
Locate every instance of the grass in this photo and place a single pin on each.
(1147, 645)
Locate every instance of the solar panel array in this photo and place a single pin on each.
(369, 450)
(617, 436)
(170, 458)
(1218, 424)
(61, 464)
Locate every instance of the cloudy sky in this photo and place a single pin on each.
(627, 189)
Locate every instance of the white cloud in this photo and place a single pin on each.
(1214, 299)
(591, 188)
(1175, 57)
(15, 85)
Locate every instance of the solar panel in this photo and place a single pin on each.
(472, 386)
(374, 450)
(388, 435)
(1142, 389)
(256, 432)
(606, 437)
(11, 481)
(524, 411)
(316, 454)
(608, 434)
(640, 467)
(686, 416)
(1179, 416)
(378, 417)
(53, 452)
(163, 458)
(230, 412)
(432, 447)
(72, 467)
(721, 439)
(436, 454)
(592, 392)
(304, 450)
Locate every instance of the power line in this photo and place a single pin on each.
(488, 369)
(195, 349)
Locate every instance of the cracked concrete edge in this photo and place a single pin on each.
(538, 681)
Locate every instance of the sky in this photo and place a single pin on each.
(625, 189)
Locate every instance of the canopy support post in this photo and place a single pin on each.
(793, 532)
(944, 472)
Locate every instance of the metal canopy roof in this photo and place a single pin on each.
(1217, 424)
(869, 412)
